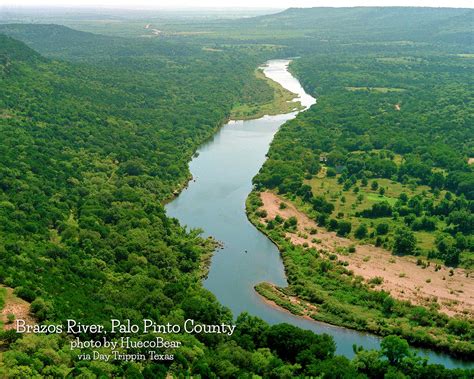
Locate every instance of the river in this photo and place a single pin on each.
(215, 201)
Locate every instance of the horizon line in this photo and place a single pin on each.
(181, 8)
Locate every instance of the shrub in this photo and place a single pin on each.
(290, 222)
(361, 231)
(40, 309)
(10, 318)
(382, 228)
(320, 204)
(333, 224)
(376, 280)
(424, 223)
(262, 213)
(382, 209)
(344, 228)
(404, 242)
(25, 293)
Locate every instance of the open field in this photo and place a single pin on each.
(347, 203)
(375, 89)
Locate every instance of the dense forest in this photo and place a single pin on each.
(97, 132)
(88, 155)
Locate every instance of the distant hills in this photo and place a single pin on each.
(294, 25)
(390, 23)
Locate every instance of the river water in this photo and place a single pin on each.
(215, 201)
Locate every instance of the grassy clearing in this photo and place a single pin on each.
(376, 89)
(211, 49)
(400, 60)
(347, 203)
(282, 102)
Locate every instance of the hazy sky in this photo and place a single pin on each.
(233, 3)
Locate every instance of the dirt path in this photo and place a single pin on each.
(453, 291)
(16, 306)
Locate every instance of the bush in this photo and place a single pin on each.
(9, 336)
(459, 327)
(382, 209)
(447, 249)
(10, 318)
(424, 223)
(376, 280)
(40, 309)
(320, 204)
(24, 293)
(382, 228)
(322, 219)
(344, 228)
(262, 213)
(333, 224)
(331, 172)
(361, 231)
(290, 222)
(404, 242)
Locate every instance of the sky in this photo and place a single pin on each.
(150, 4)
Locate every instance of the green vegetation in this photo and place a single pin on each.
(3, 294)
(375, 89)
(280, 102)
(97, 132)
(369, 160)
(88, 153)
(383, 214)
(358, 163)
(277, 296)
(329, 292)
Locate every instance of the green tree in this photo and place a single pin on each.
(361, 231)
(382, 228)
(404, 242)
(344, 228)
(395, 349)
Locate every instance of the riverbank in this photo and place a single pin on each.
(322, 287)
(283, 102)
